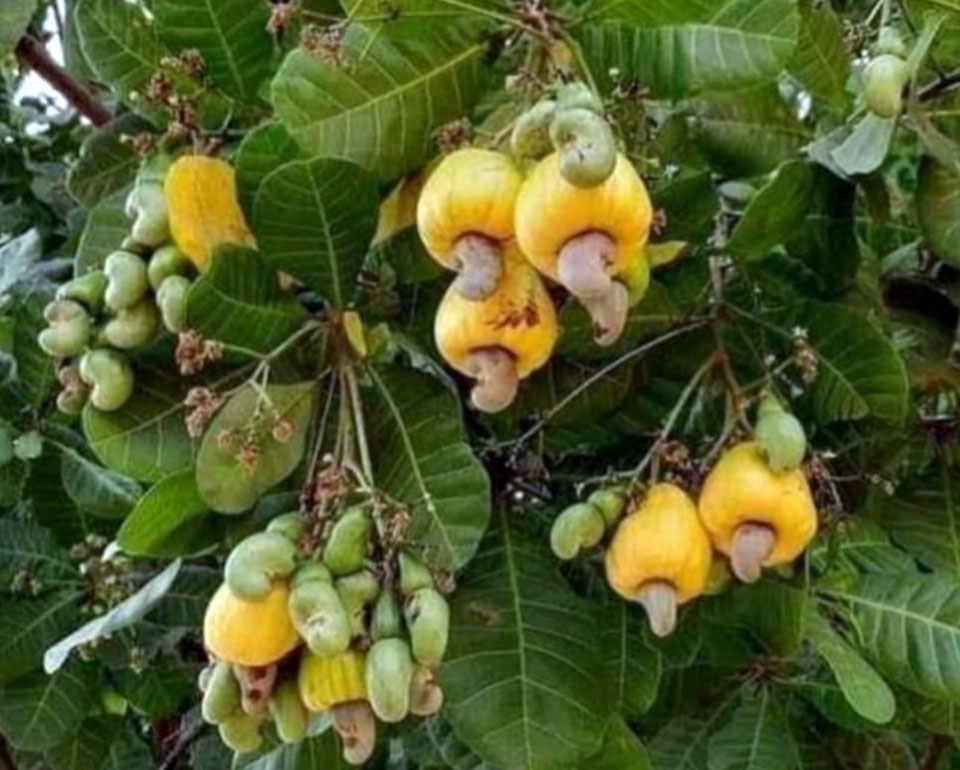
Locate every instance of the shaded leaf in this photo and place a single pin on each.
(938, 208)
(756, 738)
(28, 626)
(622, 750)
(262, 150)
(15, 15)
(865, 149)
(96, 489)
(633, 664)
(106, 227)
(87, 746)
(106, 164)
(26, 547)
(820, 60)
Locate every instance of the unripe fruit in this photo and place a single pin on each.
(531, 134)
(133, 327)
(256, 687)
(256, 562)
(414, 574)
(127, 281)
(288, 712)
(166, 262)
(241, 733)
(28, 446)
(781, 435)
(172, 301)
(578, 96)
(891, 41)
(428, 621)
(110, 377)
(426, 697)
(579, 526)
(69, 329)
(389, 672)
(221, 697)
(88, 289)
(387, 619)
(611, 502)
(883, 82)
(587, 147)
(357, 591)
(320, 617)
(346, 548)
(290, 525)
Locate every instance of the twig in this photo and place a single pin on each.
(33, 54)
(931, 758)
(6, 758)
(186, 740)
(943, 84)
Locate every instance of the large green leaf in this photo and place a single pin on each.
(87, 746)
(96, 489)
(15, 15)
(622, 750)
(106, 164)
(633, 664)
(262, 150)
(680, 48)
(820, 61)
(421, 457)
(309, 754)
(524, 673)
(938, 208)
(106, 227)
(28, 626)
(315, 219)
(380, 108)
(682, 744)
(32, 549)
(231, 35)
(756, 738)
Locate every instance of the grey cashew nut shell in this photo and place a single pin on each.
(753, 542)
(479, 260)
(583, 269)
(497, 379)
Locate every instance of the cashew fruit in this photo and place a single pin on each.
(883, 83)
(221, 696)
(256, 687)
(28, 446)
(89, 290)
(346, 547)
(357, 592)
(387, 620)
(531, 134)
(74, 394)
(166, 262)
(428, 622)
(426, 696)
(256, 562)
(611, 502)
(660, 555)
(127, 281)
(636, 277)
(328, 680)
(586, 145)
(890, 41)
(249, 632)
(288, 712)
(146, 204)
(357, 728)
(68, 330)
(757, 516)
(578, 96)
(414, 574)
(109, 376)
(502, 339)
(290, 525)
(172, 301)
(312, 570)
(388, 675)
(201, 196)
(320, 616)
(241, 733)
(780, 434)
(133, 327)
(579, 526)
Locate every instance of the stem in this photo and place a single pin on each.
(931, 757)
(358, 419)
(33, 54)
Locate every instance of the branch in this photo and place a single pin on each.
(33, 54)
(940, 86)
(6, 758)
(938, 745)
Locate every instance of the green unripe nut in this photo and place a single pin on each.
(28, 446)
(288, 712)
(88, 289)
(313, 570)
(147, 207)
(71, 402)
(172, 301)
(578, 96)
(414, 574)
(588, 150)
(780, 434)
(883, 82)
(531, 134)
(320, 617)
(610, 502)
(68, 331)
(133, 327)
(346, 548)
(428, 621)
(890, 41)
(165, 262)
(110, 377)
(426, 697)
(241, 733)
(357, 591)
(256, 562)
(387, 619)
(389, 673)
(579, 526)
(221, 698)
(126, 280)
(290, 525)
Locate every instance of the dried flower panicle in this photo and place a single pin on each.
(203, 404)
(806, 357)
(325, 43)
(194, 352)
(282, 430)
(281, 15)
(453, 135)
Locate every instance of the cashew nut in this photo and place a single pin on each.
(479, 260)
(357, 728)
(582, 268)
(752, 544)
(659, 599)
(497, 380)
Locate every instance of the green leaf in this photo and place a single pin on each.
(106, 227)
(858, 545)
(28, 626)
(942, 717)
(106, 164)
(321, 751)
(622, 750)
(38, 711)
(772, 612)
(231, 35)
(633, 664)
(128, 612)
(238, 301)
(380, 109)
(128, 752)
(15, 16)
(85, 748)
(248, 418)
(679, 49)
(938, 208)
(693, 205)
(96, 489)
(421, 457)
(524, 674)
(158, 690)
(909, 626)
(862, 686)
(172, 519)
(119, 42)
(34, 368)
(865, 149)
(682, 744)
(820, 60)
(18, 257)
(436, 744)
(32, 549)
(262, 150)
(756, 738)
(315, 219)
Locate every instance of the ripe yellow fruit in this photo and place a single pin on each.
(660, 555)
(203, 207)
(326, 681)
(249, 633)
(757, 516)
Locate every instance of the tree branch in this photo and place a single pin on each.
(941, 85)
(33, 54)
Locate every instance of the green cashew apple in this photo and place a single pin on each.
(780, 434)
(890, 41)
(883, 83)
(88, 289)
(110, 377)
(388, 674)
(166, 262)
(426, 697)
(580, 526)
(172, 301)
(147, 205)
(313, 570)
(578, 96)
(290, 525)
(588, 150)
(320, 617)
(414, 574)
(256, 562)
(428, 622)
(531, 134)
(288, 712)
(221, 697)
(387, 620)
(127, 280)
(357, 592)
(68, 330)
(241, 733)
(611, 502)
(346, 548)
(133, 327)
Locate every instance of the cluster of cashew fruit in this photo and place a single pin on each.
(581, 218)
(886, 75)
(755, 508)
(299, 629)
